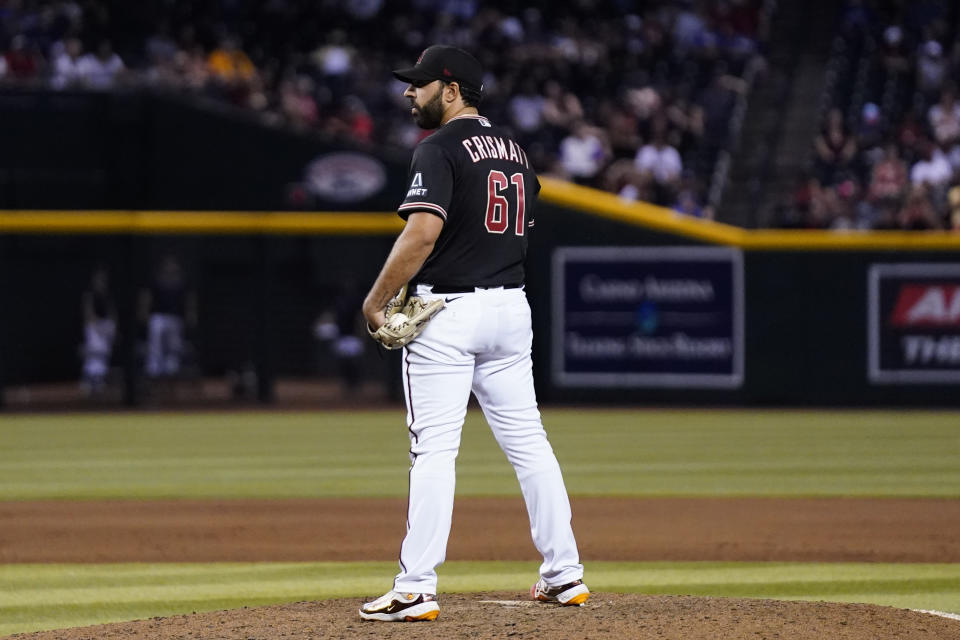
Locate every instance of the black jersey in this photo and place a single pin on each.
(168, 297)
(103, 306)
(474, 176)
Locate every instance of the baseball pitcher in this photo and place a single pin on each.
(464, 326)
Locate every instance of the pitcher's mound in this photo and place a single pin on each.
(513, 615)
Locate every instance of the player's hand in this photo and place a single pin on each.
(404, 322)
(375, 318)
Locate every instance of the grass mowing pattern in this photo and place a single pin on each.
(364, 454)
(34, 597)
(605, 452)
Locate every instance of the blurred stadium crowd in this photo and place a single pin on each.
(635, 97)
(888, 152)
(631, 96)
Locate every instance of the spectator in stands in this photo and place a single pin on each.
(644, 103)
(794, 207)
(561, 109)
(661, 162)
(526, 113)
(102, 69)
(953, 212)
(229, 64)
(584, 153)
(353, 121)
(844, 213)
(944, 118)
(637, 50)
(168, 307)
(687, 120)
(192, 67)
(932, 69)
(168, 72)
(623, 178)
(99, 330)
(718, 99)
(912, 72)
(66, 66)
(888, 180)
(232, 71)
(23, 62)
(160, 46)
(297, 103)
(835, 148)
(165, 58)
(870, 134)
(911, 135)
(895, 59)
(689, 26)
(687, 202)
(733, 46)
(621, 130)
(821, 205)
(918, 212)
(334, 60)
(933, 169)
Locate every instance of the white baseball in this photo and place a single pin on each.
(398, 319)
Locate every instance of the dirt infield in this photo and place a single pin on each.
(722, 529)
(733, 529)
(605, 616)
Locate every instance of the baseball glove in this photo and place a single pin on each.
(407, 317)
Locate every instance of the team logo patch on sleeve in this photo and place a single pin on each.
(416, 187)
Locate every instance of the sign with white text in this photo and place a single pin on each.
(648, 317)
(914, 323)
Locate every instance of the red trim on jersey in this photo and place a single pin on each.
(424, 206)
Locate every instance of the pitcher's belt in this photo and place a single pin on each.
(442, 288)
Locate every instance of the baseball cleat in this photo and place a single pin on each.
(394, 606)
(571, 594)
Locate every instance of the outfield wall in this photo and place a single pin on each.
(806, 316)
(628, 305)
(791, 323)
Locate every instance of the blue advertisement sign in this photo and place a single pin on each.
(648, 317)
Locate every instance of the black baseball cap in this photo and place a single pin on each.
(442, 62)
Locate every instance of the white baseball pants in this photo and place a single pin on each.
(164, 344)
(479, 342)
(97, 347)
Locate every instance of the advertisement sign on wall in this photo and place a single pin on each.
(913, 323)
(648, 317)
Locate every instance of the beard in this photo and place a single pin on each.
(430, 115)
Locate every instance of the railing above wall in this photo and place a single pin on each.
(200, 222)
(587, 201)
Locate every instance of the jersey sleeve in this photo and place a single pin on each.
(431, 182)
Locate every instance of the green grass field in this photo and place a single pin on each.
(708, 452)
(57, 596)
(604, 452)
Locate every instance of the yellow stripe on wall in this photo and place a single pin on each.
(810, 240)
(643, 214)
(558, 192)
(201, 222)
